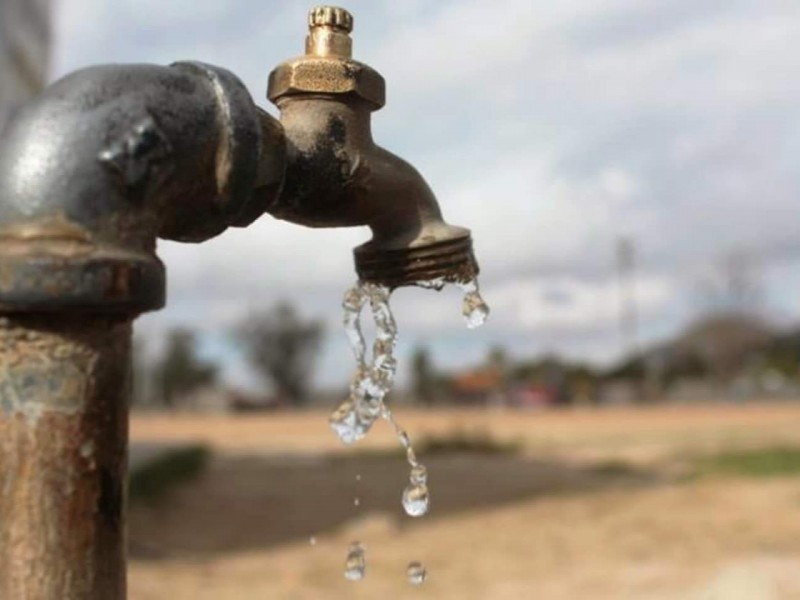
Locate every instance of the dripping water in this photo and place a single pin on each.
(416, 573)
(356, 563)
(372, 382)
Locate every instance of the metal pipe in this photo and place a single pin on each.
(91, 173)
(64, 392)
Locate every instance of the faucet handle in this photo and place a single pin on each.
(329, 30)
(327, 67)
(330, 16)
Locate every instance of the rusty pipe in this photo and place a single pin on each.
(337, 176)
(104, 162)
(64, 392)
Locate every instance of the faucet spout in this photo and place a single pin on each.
(337, 176)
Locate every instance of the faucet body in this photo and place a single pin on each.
(92, 173)
(337, 176)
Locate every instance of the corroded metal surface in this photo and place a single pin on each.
(106, 161)
(449, 261)
(64, 389)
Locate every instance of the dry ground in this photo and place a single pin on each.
(597, 506)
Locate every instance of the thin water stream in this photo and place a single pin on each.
(372, 382)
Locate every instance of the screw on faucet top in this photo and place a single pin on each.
(327, 67)
(330, 16)
(329, 30)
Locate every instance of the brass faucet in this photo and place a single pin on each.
(338, 177)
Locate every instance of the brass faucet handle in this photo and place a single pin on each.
(330, 16)
(329, 30)
(327, 67)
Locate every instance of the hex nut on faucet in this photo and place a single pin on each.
(328, 67)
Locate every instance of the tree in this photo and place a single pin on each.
(497, 360)
(725, 342)
(423, 376)
(729, 332)
(732, 285)
(181, 371)
(282, 348)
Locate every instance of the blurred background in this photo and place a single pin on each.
(627, 425)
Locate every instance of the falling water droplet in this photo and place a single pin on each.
(356, 501)
(432, 284)
(416, 573)
(343, 423)
(419, 475)
(373, 381)
(356, 562)
(416, 500)
(312, 541)
(352, 420)
(474, 308)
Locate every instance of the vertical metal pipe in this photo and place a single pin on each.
(64, 392)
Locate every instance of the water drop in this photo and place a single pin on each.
(474, 308)
(356, 563)
(344, 423)
(374, 379)
(416, 573)
(419, 475)
(312, 541)
(358, 477)
(404, 439)
(432, 284)
(356, 501)
(416, 500)
(352, 420)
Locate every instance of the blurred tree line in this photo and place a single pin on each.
(280, 346)
(728, 349)
(727, 345)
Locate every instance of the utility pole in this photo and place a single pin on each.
(628, 313)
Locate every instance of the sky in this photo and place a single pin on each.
(550, 129)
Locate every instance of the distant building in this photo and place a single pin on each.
(478, 387)
(24, 52)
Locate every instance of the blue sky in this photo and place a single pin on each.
(549, 128)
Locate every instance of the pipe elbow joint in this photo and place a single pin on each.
(112, 157)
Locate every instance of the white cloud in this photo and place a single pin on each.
(567, 304)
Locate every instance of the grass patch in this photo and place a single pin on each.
(454, 442)
(155, 478)
(467, 442)
(614, 468)
(764, 462)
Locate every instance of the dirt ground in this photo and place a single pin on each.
(597, 505)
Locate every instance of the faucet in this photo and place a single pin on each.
(337, 176)
(105, 162)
